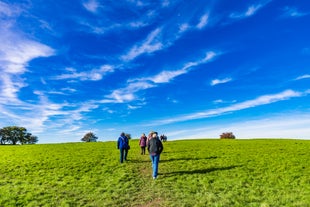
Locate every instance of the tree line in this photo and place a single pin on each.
(16, 135)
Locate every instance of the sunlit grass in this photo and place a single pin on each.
(191, 173)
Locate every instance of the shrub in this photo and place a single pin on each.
(227, 135)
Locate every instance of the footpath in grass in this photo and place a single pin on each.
(191, 173)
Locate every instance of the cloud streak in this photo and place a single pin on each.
(220, 81)
(151, 44)
(127, 94)
(250, 11)
(16, 52)
(303, 77)
(93, 75)
(293, 12)
(262, 100)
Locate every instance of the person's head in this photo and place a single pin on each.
(154, 135)
(143, 134)
(122, 134)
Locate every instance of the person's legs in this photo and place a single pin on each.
(121, 155)
(143, 150)
(152, 159)
(125, 154)
(155, 166)
(153, 163)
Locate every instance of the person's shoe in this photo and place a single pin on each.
(154, 178)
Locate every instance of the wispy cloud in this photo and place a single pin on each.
(262, 100)
(91, 5)
(303, 77)
(93, 75)
(203, 21)
(293, 12)
(151, 44)
(127, 94)
(165, 3)
(250, 11)
(288, 126)
(220, 81)
(16, 52)
(46, 115)
(7, 10)
(167, 75)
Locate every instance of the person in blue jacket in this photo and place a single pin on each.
(123, 146)
(155, 148)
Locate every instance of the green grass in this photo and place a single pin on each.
(191, 173)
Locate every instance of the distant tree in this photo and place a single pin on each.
(30, 139)
(227, 135)
(89, 137)
(15, 134)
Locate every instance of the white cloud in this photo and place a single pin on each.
(167, 75)
(93, 75)
(91, 5)
(127, 94)
(262, 100)
(184, 27)
(150, 45)
(7, 10)
(203, 21)
(303, 77)
(251, 10)
(289, 126)
(15, 52)
(293, 12)
(165, 3)
(220, 81)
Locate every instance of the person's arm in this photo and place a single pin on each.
(160, 147)
(118, 143)
(148, 146)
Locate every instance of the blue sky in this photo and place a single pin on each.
(187, 69)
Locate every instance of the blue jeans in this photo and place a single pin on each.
(155, 161)
(123, 154)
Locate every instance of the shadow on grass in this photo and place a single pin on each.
(187, 159)
(200, 171)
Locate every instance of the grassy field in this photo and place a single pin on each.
(191, 173)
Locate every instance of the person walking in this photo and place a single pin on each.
(155, 147)
(142, 143)
(123, 145)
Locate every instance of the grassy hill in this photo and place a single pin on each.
(191, 173)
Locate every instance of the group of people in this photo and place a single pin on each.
(152, 143)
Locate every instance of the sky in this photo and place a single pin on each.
(186, 69)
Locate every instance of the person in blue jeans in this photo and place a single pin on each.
(155, 147)
(123, 146)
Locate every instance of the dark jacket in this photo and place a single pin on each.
(122, 142)
(154, 146)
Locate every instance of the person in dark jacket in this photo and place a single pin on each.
(155, 147)
(123, 145)
(142, 143)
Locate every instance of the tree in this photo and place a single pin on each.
(227, 135)
(89, 137)
(30, 139)
(15, 134)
